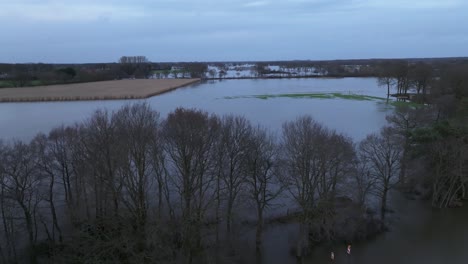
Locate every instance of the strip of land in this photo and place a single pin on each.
(105, 90)
(346, 96)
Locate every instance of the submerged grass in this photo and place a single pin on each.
(358, 97)
(311, 95)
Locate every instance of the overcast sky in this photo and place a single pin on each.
(79, 31)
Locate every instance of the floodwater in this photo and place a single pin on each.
(353, 117)
(419, 234)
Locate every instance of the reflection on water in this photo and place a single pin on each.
(353, 117)
(418, 234)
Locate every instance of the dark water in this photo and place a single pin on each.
(418, 234)
(355, 118)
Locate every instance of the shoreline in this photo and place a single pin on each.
(93, 91)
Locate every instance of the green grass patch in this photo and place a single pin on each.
(311, 96)
(4, 84)
(36, 83)
(356, 97)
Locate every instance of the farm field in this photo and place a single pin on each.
(105, 90)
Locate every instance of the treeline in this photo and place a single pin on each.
(436, 148)
(357, 68)
(22, 75)
(127, 67)
(422, 82)
(130, 187)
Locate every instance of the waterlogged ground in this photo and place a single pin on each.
(349, 96)
(354, 106)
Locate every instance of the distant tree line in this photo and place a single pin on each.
(405, 77)
(435, 146)
(404, 74)
(127, 67)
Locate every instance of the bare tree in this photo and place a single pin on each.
(190, 142)
(449, 159)
(21, 185)
(104, 156)
(234, 141)
(137, 127)
(386, 81)
(262, 182)
(382, 154)
(421, 76)
(66, 154)
(46, 168)
(312, 170)
(402, 123)
(212, 73)
(401, 76)
(135, 66)
(7, 238)
(362, 183)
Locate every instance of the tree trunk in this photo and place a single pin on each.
(11, 249)
(229, 215)
(259, 231)
(29, 227)
(160, 197)
(218, 206)
(302, 242)
(383, 206)
(402, 176)
(53, 212)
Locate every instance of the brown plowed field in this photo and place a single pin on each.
(106, 90)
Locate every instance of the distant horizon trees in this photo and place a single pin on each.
(404, 77)
(134, 66)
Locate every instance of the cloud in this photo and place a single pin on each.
(54, 11)
(256, 4)
(171, 30)
(414, 4)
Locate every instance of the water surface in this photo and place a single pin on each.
(356, 118)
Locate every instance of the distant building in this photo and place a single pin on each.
(3, 75)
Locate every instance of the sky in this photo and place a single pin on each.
(87, 31)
